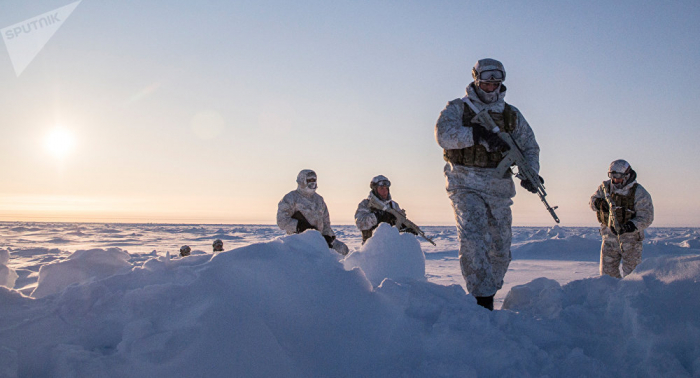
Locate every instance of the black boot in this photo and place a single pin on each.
(486, 302)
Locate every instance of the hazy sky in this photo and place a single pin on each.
(204, 112)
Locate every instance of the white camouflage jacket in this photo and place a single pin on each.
(306, 201)
(450, 133)
(643, 206)
(365, 218)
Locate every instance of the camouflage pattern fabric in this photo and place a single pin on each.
(610, 253)
(480, 200)
(308, 203)
(483, 223)
(364, 216)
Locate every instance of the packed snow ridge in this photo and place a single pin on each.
(290, 307)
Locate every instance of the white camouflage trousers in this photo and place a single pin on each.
(484, 226)
(611, 255)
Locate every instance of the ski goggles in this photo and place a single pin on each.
(492, 75)
(617, 175)
(383, 183)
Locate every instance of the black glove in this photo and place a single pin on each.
(495, 142)
(409, 230)
(601, 204)
(302, 223)
(530, 187)
(385, 216)
(329, 240)
(625, 228)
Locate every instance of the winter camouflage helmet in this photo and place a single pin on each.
(620, 169)
(619, 166)
(488, 70)
(185, 250)
(380, 180)
(218, 245)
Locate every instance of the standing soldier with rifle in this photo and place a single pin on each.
(482, 137)
(379, 207)
(624, 210)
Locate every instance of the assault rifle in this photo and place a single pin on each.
(612, 216)
(514, 156)
(401, 220)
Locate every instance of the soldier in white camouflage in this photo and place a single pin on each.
(303, 209)
(368, 218)
(481, 201)
(634, 213)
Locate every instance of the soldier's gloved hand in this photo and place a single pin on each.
(601, 205)
(627, 227)
(302, 223)
(530, 187)
(329, 240)
(386, 217)
(409, 230)
(495, 142)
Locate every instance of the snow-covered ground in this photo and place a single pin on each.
(108, 300)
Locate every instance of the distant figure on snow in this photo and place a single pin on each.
(218, 245)
(185, 250)
(368, 217)
(304, 209)
(633, 212)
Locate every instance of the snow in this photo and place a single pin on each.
(81, 266)
(8, 276)
(287, 306)
(388, 254)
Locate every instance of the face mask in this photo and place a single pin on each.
(311, 183)
(488, 97)
(620, 177)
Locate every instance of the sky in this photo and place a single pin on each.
(205, 113)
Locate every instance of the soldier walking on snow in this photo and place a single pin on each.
(304, 209)
(367, 218)
(633, 212)
(481, 200)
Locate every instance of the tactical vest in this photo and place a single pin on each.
(478, 156)
(625, 207)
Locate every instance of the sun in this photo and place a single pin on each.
(59, 142)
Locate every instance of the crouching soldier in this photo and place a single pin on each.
(368, 217)
(304, 209)
(622, 228)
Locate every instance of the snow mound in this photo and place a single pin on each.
(542, 298)
(289, 308)
(643, 325)
(79, 267)
(388, 254)
(8, 276)
(693, 243)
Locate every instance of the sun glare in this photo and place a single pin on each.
(59, 142)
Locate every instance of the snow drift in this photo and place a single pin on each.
(7, 276)
(289, 308)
